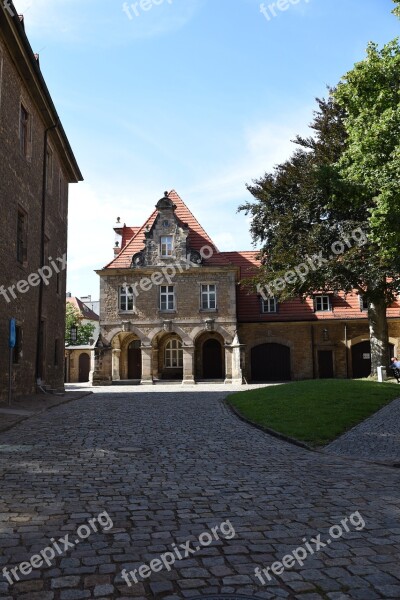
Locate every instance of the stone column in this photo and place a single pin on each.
(188, 364)
(147, 377)
(116, 355)
(236, 354)
(92, 365)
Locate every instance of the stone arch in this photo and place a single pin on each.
(186, 339)
(115, 340)
(224, 333)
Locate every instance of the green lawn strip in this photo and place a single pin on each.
(315, 412)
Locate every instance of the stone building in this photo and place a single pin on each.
(79, 359)
(168, 303)
(36, 166)
(172, 308)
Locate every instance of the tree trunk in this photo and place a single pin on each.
(378, 333)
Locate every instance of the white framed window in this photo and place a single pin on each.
(208, 296)
(167, 297)
(173, 354)
(166, 246)
(269, 305)
(126, 298)
(322, 303)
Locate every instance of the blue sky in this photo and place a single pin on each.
(202, 96)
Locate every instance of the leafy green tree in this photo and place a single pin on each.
(396, 11)
(370, 97)
(73, 318)
(308, 209)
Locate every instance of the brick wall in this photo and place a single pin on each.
(21, 190)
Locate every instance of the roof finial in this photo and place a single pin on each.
(166, 194)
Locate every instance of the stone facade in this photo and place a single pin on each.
(33, 224)
(171, 340)
(235, 340)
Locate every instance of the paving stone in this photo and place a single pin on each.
(65, 582)
(377, 438)
(389, 591)
(27, 586)
(103, 590)
(74, 595)
(36, 596)
(161, 587)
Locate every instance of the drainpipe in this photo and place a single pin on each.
(39, 357)
(313, 351)
(346, 350)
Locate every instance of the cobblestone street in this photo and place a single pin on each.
(376, 438)
(167, 464)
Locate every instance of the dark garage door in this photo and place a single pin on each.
(270, 362)
(361, 359)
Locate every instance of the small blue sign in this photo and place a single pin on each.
(13, 334)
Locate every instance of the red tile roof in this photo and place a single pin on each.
(197, 238)
(344, 306)
(127, 234)
(85, 311)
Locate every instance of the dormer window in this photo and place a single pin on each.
(166, 246)
(322, 303)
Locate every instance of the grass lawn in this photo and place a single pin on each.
(315, 412)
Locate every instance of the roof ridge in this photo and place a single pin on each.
(173, 191)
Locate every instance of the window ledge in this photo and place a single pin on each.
(208, 310)
(167, 312)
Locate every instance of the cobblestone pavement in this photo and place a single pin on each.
(167, 464)
(376, 438)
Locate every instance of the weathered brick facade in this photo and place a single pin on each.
(36, 165)
(237, 338)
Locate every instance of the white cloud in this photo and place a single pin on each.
(264, 146)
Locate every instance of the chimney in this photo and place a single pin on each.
(117, 249)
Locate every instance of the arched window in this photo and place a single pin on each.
(174, 354)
